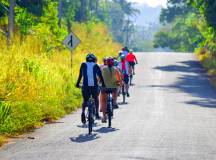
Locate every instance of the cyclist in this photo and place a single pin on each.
(132, 60)
(125, 51)
(89, 71)
(116, 65)
(124, 67)
(111, 80)
(104, 62)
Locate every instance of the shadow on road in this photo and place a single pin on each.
(192, 82)
(121, 103)
(84, 138)
(106, 130)
(139, 158)
(86, 125)
(184, 66)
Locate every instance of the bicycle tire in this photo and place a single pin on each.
(123, 95)
(90, 117)
(109, 119)
(131, 78)
(90, 125)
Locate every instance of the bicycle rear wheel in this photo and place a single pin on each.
(123, 94)
(90, 125)
(131, 77)
(109, 114)
(90, 118)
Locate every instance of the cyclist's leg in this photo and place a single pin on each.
(103, 103)
(115, 96)
(126, 80)
(130, 70)
(86, 96)
(133, 67)
(94, 92)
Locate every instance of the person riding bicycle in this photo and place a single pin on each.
(89, 71)
(104, 62)
(132, 60)
(124, 67)
(125, 51)
(111, 80)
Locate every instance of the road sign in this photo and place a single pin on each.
(71, 41)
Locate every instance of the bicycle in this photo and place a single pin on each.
(90, 114)
(123, 93)
(131, 77)
(131, 69)
(110, 108)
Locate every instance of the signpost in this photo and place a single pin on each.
(71, 42)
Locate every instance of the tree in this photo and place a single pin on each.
(60, 12)
(81, 15)
(11, 20)
(174, 9)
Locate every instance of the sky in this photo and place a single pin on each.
(152, 3)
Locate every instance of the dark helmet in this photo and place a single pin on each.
(120, 53)
(91, 58)
(110, 62)
(126, 49)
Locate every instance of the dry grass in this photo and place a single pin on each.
(3, 140)
(38, 84)
(209, 62)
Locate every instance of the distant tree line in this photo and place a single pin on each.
(27, 16)
(188, 25)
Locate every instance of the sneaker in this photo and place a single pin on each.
(115, 106)
(103, 120)
(83, 118)
(128, 95)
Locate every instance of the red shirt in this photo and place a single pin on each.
(123, 65)
(131, 57)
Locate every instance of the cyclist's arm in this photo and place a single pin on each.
(99, 73)
(80, 75)
(135, 59)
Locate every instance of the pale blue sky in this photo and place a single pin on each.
(152, 3)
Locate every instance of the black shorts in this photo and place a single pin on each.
(132, 64)
(87, 92)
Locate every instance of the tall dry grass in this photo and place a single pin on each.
(38, 84)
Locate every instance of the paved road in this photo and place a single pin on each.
(171, 115)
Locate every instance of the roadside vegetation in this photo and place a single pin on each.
(36, 81)
(190, 26)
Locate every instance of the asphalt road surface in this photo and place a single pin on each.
(171, 115)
